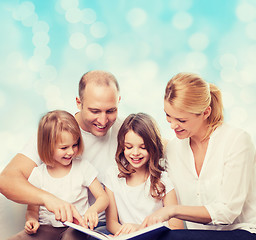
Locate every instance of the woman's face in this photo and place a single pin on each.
(185, 124)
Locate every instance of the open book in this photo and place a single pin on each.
(151, 232)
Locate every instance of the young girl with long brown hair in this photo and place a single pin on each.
(138, 185)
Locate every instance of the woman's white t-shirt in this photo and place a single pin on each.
(226, 185)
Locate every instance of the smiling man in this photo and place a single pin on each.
(98, 104)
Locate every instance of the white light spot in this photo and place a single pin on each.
(35, 63)
(246, 12)
(238, 115)
(136, 17)
(198, 41)
(48, 73)
(229, 75)
(251, 30)
(228, 61)
(182, 20)
(67, 4)
(73, 15)
(196, 61)
(77, 40)
(40, 39)
(94, 51)
(23, 11)
(248, 95)
(98, 30)
(88, 16)
(2, 99)
(228, 99)
(40, 26)
(43, 52)
(30, 21)
(181, 5)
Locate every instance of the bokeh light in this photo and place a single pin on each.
(46, 46)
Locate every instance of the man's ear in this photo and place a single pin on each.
(119, 99)
(78, 103)
(207, 112)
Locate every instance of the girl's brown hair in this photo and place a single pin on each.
(189, 92)
(145, 126)
(49, 132)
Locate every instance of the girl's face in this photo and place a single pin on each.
(66, 149)
(135, 151)
(185, 124)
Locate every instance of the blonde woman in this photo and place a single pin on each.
(211, 164)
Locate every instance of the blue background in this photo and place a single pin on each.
(46, 46)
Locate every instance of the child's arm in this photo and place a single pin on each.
(113, 224)
(32, 224)
(101, 203)
(170, 199)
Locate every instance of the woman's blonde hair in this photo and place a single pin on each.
(145, 126)
(190, 93)
(49, 133)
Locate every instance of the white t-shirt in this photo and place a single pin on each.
(72, 188)
(133, 203)
(99, 151)
(227, 181)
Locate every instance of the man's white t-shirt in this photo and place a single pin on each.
(99, 151)
(72, 188)
(134, 203)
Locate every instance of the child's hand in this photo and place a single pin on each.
(31, 226)
(91, 219)
(127, 228)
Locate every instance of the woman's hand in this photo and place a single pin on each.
(127, 228)
(91, 219)
(31, 226)
(161, 215)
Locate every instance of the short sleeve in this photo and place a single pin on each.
(167, 182)
(35, 177)
(89, 172)
(110, 177)
(30, 150)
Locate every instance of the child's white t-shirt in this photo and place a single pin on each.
(133, 203)
(72, 188)
(99, 151)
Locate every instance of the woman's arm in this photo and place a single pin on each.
(197, 214)
(101, 203)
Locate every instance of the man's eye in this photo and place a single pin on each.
(182, 121)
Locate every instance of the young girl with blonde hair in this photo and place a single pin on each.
(138, 185)
(64, 174)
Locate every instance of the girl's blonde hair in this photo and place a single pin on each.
(190, 93)
(49, 133)
(145, 126)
